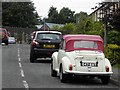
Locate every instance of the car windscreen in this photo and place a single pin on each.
(85, 44)
(48, 36)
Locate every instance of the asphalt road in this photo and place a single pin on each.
(18, 72)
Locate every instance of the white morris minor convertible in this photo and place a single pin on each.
(81, 55)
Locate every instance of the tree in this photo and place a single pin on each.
(115, 22)
(94, 28)
(81, 19)
(69, 28)
(113, 37)
(53, 15)
(56, 27)
(19, 14)
(66, 16)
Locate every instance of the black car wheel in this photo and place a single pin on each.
(32, 58)
(6, 42)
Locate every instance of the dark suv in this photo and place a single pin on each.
(44, 44)
(4, 36)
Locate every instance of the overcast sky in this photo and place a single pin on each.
(43, 6)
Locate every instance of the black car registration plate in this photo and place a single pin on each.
(48, 46)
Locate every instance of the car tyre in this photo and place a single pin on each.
(105, 80)
(53, 72)
(32, 58)
(62, 75)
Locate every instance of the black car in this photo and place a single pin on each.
(44, 44)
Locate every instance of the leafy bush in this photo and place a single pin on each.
(113, 36)
(112, 52)
(69, 28)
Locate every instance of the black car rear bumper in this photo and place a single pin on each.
(4, 40)
(43, 53)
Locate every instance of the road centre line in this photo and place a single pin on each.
(19, 59)
(18, 49)
(18, 55)
(18, 52)
(20, 65)
(25, 84)
(18, 45)
(22, 73)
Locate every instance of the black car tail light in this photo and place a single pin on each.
(5, 36)
(34, 43)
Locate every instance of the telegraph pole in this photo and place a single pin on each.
(105, 27)
(44, 23)
(106, 19)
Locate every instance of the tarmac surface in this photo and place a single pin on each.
(115, 78)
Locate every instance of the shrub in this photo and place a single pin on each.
(112, 52)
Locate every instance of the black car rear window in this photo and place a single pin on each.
(48, 36)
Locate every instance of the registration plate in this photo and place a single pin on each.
(95, 64)
(48, 46)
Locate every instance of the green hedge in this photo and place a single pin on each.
(112, 52)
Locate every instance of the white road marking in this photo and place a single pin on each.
(20, 65)
(18, 49)
(18, 53)
(19, 59)
(25, 84)
(22, 73)
(21, 70)
(18, 45)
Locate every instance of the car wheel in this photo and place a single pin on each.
(105, 80)
(53, 72)
(62, 75)
(32, 58)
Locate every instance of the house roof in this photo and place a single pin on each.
(97, 9)
(38, 26)
(50, 25)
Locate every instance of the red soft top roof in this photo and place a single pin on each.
(69, 39)
(82, 37)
